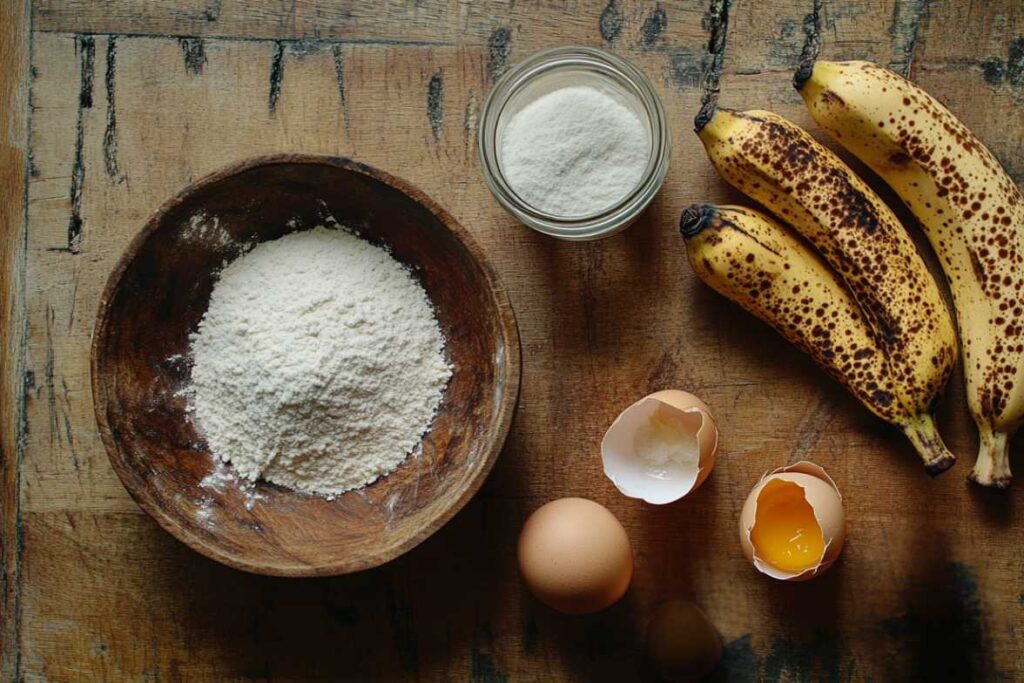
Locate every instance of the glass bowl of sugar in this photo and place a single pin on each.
(574, 142)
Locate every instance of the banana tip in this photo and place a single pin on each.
(994, 482)
(694, 219)
(803, 73)
(939, 465)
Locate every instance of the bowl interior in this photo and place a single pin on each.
(160, 291)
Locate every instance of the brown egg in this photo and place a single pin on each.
(575, 556)
(682, 642)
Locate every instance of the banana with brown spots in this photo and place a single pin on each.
(757, 263)
(804, 184)
(972, 213)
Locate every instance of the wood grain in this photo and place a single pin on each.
(132, 100)
(14, 167)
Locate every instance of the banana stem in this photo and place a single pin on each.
(993, 465)
(923, 433)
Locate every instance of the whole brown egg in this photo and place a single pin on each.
(575, 556)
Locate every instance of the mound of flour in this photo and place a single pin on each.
(319, 364)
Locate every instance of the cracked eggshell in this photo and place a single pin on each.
(659, 483)
(822, 494)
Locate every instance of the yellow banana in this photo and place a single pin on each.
(972, 213)
(780, 165)
(757, 263)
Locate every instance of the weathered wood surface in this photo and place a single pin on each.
(130, 100)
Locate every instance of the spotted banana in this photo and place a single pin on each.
(804, 184)
(972, 213)
(759, 264)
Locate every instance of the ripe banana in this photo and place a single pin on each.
(780, 165)
(757, 263)
(972, 213)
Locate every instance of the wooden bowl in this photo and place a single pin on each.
(160, 290)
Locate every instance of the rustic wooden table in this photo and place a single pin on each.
(112, 106)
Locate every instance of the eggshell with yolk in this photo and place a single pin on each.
(822, 494)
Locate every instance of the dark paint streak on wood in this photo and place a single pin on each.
(49, 365)
(610, 23)
(716, 23)
(304, 47)
(1015, 63)
(820, 657)
(435, 103)
(110, 134)
(339, 72)
(739, 663)
(484, 667)
(86, 46)
(685, 70)
(339, 75)
(907, 18)
(653, 27)
(276, 74)
(33, 171)
(212, 13)
(812, 33)
(499, 47)
(943, 630)
(994, 70)
(209, 14)
(194, 52)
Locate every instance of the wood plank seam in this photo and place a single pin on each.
(370, 42)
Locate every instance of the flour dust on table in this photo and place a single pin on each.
(319, 364)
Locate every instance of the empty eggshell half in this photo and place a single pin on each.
(661, 447)
(803, 484)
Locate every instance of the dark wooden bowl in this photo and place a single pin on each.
(160, 290)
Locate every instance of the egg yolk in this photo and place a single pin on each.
(786, 534)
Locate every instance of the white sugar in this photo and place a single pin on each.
(575, 151)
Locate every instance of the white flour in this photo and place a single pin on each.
(574, 151)
(319, 363)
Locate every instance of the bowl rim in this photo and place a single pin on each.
(507, 402)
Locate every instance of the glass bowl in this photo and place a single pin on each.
(551, 70)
